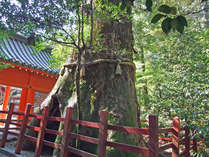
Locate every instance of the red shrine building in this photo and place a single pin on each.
(28, 79)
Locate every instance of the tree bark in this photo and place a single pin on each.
(107, 83)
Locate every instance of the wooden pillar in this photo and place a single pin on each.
(27, 97)
(102, 134)
(30, 98)
(5, 102)
(22, 104)
(175, 137)
(153, 136)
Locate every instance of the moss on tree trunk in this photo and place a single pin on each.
(103, 89)
(108, 83)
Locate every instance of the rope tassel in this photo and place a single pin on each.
(118, 70)
(82, 71)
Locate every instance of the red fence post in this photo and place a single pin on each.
(187, 142)
(102, 133)
(67, 126)
(194, 145)
(5, 103)
(40, 139)
(153, 136)
(175, 137)
(23, 129)
(6, 128)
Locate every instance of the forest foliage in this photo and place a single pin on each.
(172, 78)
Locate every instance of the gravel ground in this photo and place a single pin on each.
(9, 149)
(3, 155)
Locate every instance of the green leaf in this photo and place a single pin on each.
(174, 23)
(166, 25)
(173, 10)
(180, 28)
(182, 20)
(164, 9)
(206, 33)
(156, 18)
(122, 6)
(128, 9)
(149, 5)
(179, 23)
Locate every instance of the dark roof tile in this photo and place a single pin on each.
(18, 52)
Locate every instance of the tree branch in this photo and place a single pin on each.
(60, 42)
(78, 69)
(82, 26)
(196, 12)
(92, 24)
(79, 28)
(71, 37)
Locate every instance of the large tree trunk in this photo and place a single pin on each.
(108, 83)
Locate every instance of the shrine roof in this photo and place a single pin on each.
(17, 51)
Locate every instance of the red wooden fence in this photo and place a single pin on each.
(153, 132)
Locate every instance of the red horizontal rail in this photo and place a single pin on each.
(13, 133)
(15, 124)
(30, 138)
(13, 120)
(34, 128)
(35, 116)
(53, 145)
(85, 138)
(54, 132)
(86, 123)
(165, 146)
(80, 152)
(169, 139)
(16, 120)
(129, 129)
(14, 128)
(58, 119)
(17, 113)
(126, 147)
(164, 130)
